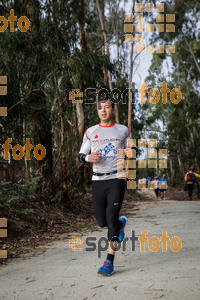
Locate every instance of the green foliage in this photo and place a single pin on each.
(18, 193)
(29, 188)
(25, 213)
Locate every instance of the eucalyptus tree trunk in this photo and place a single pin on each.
(26, 162)
(130, 84)
(130, 87)
(65, 197)
(64, 135)
(180, 162)
(103, 46)
(108, 54)
(39, 110)
(79, 106)
(171, 172)
(83, 42)
(43, 136)
(119, 70)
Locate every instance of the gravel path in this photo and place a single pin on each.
(60, 273)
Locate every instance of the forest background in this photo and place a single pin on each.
(69, 45)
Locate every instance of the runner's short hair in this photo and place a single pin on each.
(102, 99)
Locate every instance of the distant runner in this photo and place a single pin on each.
(156, 186)
(190, 179)
(163, 185)
(103, 140)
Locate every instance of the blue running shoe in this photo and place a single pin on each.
(121, 233)
(107, 269)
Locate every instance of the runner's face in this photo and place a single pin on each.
(105, 111)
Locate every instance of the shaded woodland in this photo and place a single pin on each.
(69, 46)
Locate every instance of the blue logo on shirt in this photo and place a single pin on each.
(107, 149)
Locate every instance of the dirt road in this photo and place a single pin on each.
(60, 273)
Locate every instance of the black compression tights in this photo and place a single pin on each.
(107, 198)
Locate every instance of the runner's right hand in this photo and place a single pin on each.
(95, 157)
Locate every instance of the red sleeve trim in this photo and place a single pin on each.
(87, 135)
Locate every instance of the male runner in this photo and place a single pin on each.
(190, 179)
(103, 140)
(163, 187)
(156, 186)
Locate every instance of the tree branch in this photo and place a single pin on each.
(19, 101)
(192, 53)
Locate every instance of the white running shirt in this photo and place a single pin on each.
(106, 140)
